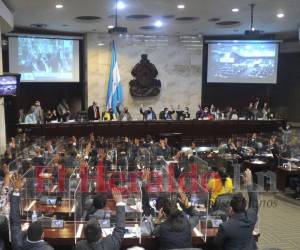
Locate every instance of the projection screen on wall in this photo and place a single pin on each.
(242, 61)
(42, 59)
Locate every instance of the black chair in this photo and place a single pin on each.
(222, 206)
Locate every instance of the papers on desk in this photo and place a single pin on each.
(258, 162)
(293, 159)
(131, 232)
(268, 155)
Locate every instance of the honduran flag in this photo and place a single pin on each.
(114, 90)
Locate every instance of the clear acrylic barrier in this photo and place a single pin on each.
(47, 192)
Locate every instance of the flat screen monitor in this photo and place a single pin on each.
(242, 61)
(43, 59)
(8, 85)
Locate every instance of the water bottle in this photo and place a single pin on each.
(34, 216)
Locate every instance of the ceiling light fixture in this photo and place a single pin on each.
(100, 44)
(235, 10)
(110, 26)
(158, 24)
(59, 6)
(120, 5)
(180, 6)
(280, 15)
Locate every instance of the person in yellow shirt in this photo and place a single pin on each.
(109, 115)
(220, 184)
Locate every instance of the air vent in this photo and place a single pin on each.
(228, 23)
(148, 27)
(138, 17)
(187, 19)
(113, 16)
(214, 19)
(39, 25)
(168, 16)
(88, 18)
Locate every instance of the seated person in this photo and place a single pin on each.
(38, 159)
(93, 232)
(97, 210)
(218, 186)
(148, 114)
(162, 149)
(175, 231)
(39, 113)
(21, 116)
(228, 113)
(253, 142)
(166, 114)
(199, 113)
(294, 183)
(50, 116)
(124, 114)
(63, 111)
(234, 115)
(30, 118)
(4, 177)
(183, 114)
(108, 115)
(231, 147)
(237, 231)
(206, 115)
(33, 238)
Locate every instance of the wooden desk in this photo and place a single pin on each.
(30, 205)
(66, 237)
(183, 129)
(282, 176)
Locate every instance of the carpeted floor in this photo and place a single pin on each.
(279, 222)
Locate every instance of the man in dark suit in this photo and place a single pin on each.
(33, 239)
(148, 114)
(93, 112)
(237, 232)
(93, 232)
(166, 114)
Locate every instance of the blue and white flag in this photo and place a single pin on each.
(114, 90)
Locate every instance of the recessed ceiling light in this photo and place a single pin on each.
(120, 5)
(280, 15)
(235, 10)
(59, 6)
(158, 24)
(110, 26)
(180, 6)
(100, 44)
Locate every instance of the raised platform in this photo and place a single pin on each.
(183, 129)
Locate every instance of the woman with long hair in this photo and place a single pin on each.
(221, 184)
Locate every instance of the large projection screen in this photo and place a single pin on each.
(42, 59)
(242, 62)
